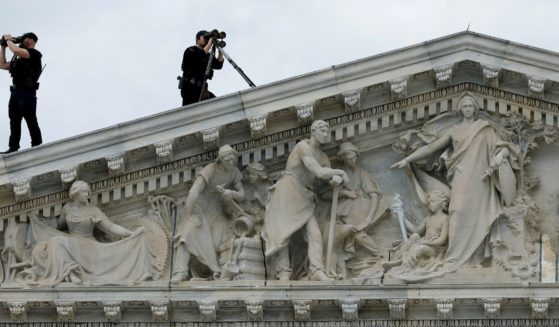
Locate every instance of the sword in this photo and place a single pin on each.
(332, 227)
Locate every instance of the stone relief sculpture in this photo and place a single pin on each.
(292, 204)
(163, 210)
(14, 252)
(477, 162)
(423, 252)
(467, 168)
(256, 186)
(205, 222)
(75, 256)
(526, 218)
(242, 258)
(465, 151)
(359, 207)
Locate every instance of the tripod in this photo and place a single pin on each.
(209, 67)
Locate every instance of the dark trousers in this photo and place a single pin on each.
(190, 93)
(23, 105)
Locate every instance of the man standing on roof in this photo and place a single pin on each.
(25, 68)
(194, 64)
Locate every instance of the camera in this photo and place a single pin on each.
(16, 40)
(218, 36)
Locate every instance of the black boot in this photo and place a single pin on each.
(9, 151)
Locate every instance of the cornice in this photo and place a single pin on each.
(363, 122)
(356, 83)
(219, 301)
(283, 94)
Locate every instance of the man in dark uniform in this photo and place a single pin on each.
(25, 68)
(194, 63)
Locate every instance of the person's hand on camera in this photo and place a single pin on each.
(209, 44)
(7, 37)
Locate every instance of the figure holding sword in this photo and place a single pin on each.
(292, 204)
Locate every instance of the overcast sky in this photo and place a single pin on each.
(110, 61)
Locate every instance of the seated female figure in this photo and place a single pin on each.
(77, 256)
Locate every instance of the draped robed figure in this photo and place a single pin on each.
(475, 163)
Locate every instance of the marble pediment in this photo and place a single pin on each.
(139, 175)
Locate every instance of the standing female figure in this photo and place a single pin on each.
(476, 162)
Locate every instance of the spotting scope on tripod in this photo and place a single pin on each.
(216, 38)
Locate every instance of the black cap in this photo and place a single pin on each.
(201, 33)
(30, 35)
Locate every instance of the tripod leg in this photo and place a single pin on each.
(208, 69)
(237, 68)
